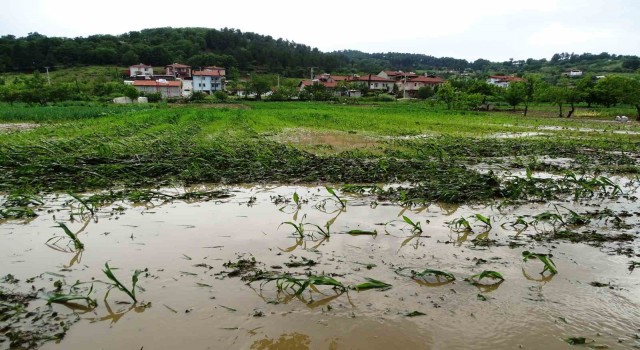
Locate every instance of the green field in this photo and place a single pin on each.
(76, 148)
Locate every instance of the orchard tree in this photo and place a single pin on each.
(531, 86)
(614, 89)
(446, 94)
(515, 94)
(259, 85)
(561, 94)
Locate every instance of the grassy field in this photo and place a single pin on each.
(75, 148)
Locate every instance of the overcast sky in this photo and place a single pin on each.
(493, 29)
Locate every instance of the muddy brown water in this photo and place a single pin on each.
(201, 308)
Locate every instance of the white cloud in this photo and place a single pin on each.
(560, 35)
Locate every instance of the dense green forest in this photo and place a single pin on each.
(251, 52)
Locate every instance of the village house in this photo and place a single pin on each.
(164, 87)
(178, 70)
(412, 85)
(397, 75)
(574, 73)
(140, 70)
(208, 80)
(502, 80)
(374, 82)
(332, 83)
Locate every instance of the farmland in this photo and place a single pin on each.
(422, 226)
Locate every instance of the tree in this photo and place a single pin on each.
(531, 84)
(220, 95)
(620, 90)
(129, 58)
(632, 63)
(515, 94)
(561, 94)
(424, 92)
(446, 94)
(130, 92)
(9, 93)
(318, 92)
(608, 90)
(586, 87)
(259, 85)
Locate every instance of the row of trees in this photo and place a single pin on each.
(607, 92)
(37, 90)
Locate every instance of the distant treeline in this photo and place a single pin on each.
(249, 52)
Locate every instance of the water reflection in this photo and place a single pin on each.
(114, 316)
(542, 278)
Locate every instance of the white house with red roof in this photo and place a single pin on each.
(411, 86)
(502, 80)
(164, 87)
(373, 82)
(140, 70)
(397, 75)
(209, 80)
(178, 70)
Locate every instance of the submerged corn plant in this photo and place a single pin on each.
(460, 224)
(340, 201)
(519, 224)
(90, 207)
(299, 285)
(549, 265)
(298, 227)
(61, 298)
(494, 275)
(371, 284)
(326, 231)
(77, 244)
(483, 219)
(431, 272)
(117, 284)
(415, 226)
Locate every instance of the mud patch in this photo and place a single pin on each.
(326, 141)
(16, 127)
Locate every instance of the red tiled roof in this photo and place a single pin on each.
(426, 80)
(371, 77)
(506, 78)
(178, 65)
(141, 65)
(156, 83)
(399, 73)
(208, 73)
(339, 77)
(327, 84)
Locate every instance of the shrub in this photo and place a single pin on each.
(153, 96)
(220, 95)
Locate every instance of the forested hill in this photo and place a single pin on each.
(250, 52)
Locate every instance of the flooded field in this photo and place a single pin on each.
(301, 267)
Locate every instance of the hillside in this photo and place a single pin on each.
(250, 52)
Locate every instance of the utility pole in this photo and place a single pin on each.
(48, 78)
(312, 73)
(404, 86)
